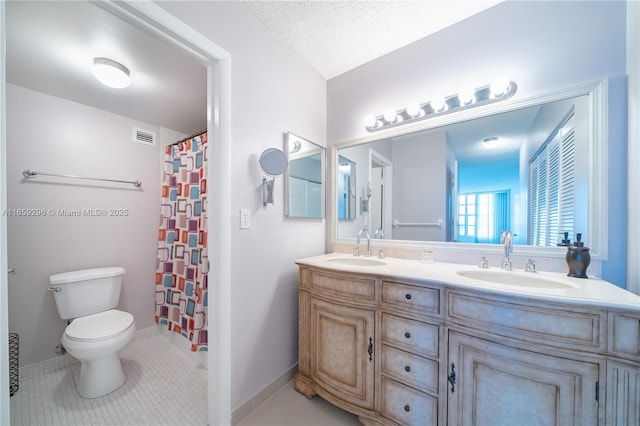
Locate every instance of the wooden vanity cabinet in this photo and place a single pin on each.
(623, 373)
(342, 351)
(412, 352)
(496, 384)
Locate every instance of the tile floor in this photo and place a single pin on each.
(164, 387)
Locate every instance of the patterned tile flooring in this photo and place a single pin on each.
(164, 387)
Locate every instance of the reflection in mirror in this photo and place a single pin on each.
(346, 188)
(306, 178)
(524, 170)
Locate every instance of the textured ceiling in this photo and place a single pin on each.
(336, 36)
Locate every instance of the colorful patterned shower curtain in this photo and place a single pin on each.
(181, 273)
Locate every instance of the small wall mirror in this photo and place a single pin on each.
(274, 163)
(305, 178)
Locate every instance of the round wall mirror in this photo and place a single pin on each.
(273, 161)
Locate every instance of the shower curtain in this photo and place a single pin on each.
(182, 266)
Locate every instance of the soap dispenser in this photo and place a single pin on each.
(565, 241)
(578, 258)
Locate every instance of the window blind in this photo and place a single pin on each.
(552, 187)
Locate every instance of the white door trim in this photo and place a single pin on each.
(4, 295)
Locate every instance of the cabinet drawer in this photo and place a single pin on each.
(414, 336)
(424, 300)
(353, 287)
(561, 327)
(408, 406)
(414, 370)
(624, 334)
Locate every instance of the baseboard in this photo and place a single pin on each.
(254, 402)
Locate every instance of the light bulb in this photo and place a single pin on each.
(370, 121)
(439, 104)
(414, 110)
(466, 95)
(500, 87)
(111, 73)
(390, 115)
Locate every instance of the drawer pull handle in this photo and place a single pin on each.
(407, 335)
(370, 349)
(407, 369)
(407, 408)
(408, 296)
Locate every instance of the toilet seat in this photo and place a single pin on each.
(101, 326)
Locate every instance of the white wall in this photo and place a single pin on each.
(54, 135)
(272, 92)
(543, 46)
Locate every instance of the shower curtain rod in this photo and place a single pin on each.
(188, 137)
(28, 173)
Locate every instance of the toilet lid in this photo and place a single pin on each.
(100, 326)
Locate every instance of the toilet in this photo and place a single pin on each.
(97, 331)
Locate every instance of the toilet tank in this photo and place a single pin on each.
(86, 292)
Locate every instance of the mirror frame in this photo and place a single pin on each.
(597, 92)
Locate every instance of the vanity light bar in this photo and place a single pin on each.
(466, 98)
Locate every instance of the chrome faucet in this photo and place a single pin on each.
(379, 234)
(506, 238)
(530, 266)
(364, 232)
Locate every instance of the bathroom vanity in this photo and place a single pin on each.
(398, 341)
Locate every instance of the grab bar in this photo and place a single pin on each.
(28, 173)
(437, 224)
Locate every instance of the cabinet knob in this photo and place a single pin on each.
(407, 369)
(407, 408)
(408, 296)
(407, 335)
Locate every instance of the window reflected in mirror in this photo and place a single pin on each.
(305, 178)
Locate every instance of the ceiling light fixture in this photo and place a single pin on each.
(111, 73)
(490, 142)
(499, 90)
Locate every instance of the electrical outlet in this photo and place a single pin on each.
(245, 219)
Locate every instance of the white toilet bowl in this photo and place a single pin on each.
(95, 340)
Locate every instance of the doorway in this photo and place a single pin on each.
(381, 201)
(151, 17)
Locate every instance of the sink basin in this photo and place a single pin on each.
(519, 279)
(356, 261)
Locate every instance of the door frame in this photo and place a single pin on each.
(148, 15)
(387, 166)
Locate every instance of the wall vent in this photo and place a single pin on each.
(146, 137)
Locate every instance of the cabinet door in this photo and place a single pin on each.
(342, 351)
(623, 393)
(499, 385)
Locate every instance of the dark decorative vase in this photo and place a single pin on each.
(578, 258)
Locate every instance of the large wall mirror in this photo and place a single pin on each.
(536, 167)
(305, 178)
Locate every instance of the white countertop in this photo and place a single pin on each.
(590, 291)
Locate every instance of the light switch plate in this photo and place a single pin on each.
(245, 219)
